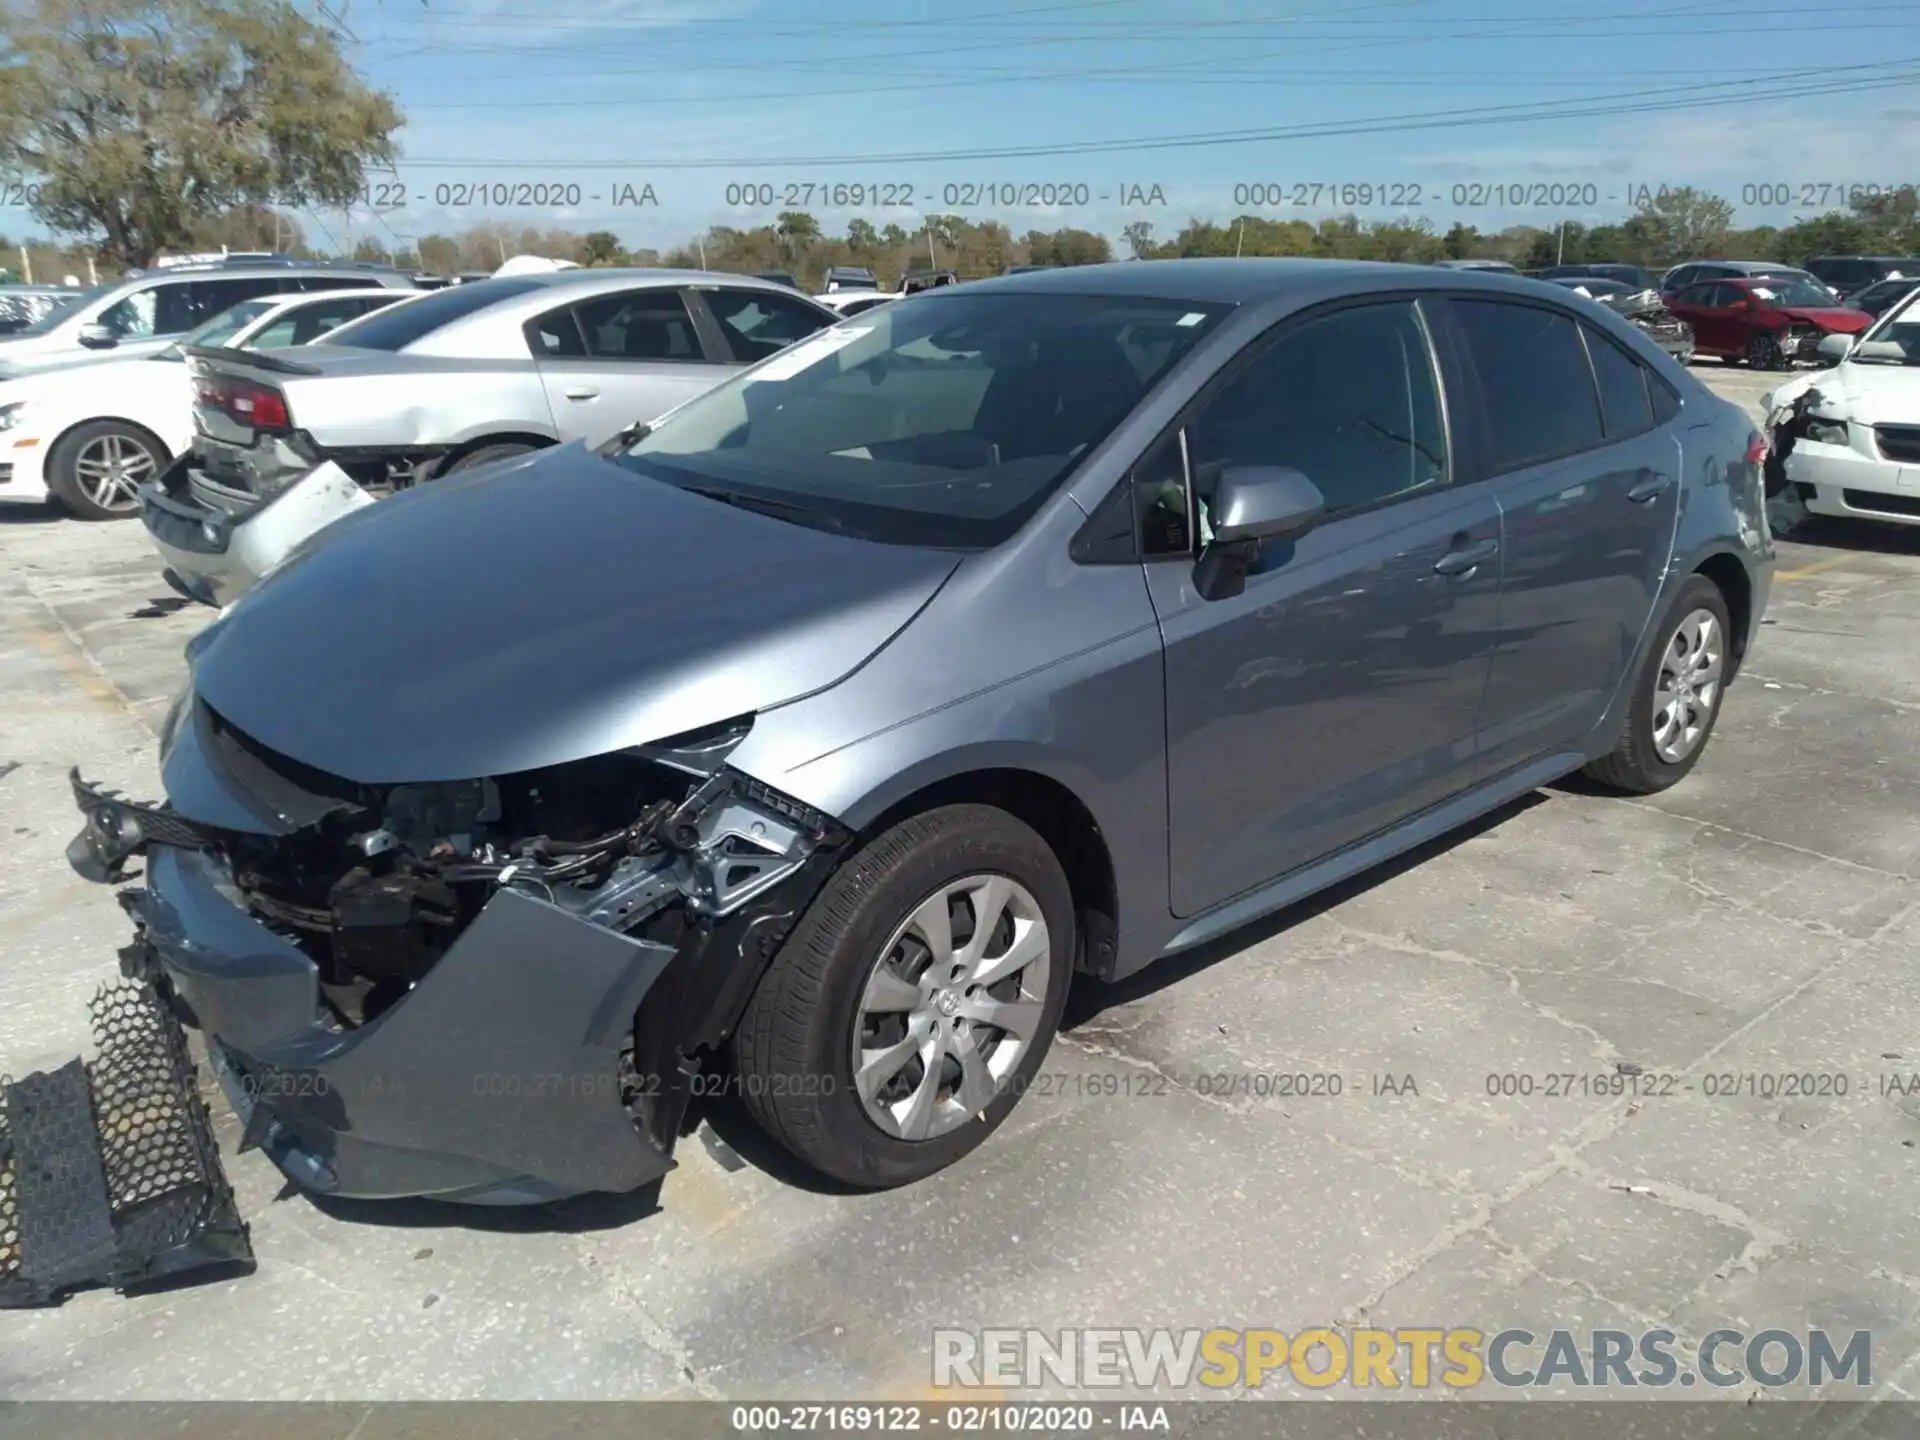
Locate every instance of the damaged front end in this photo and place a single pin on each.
(494, 990)
(1644, 310)
(1792, 416)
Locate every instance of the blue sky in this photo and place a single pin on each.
(693, 96)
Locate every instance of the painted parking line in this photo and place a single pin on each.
(1814, 569)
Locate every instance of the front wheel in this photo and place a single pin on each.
(1676, 696)
(915, 1001)
(1764, 353)
(96, 469)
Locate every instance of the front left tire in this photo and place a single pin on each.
(95, 469)
(915, 1001)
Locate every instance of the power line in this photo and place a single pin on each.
(1139, 29)
(1626, 102)
(1122, 73)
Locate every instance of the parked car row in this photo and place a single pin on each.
(89, 435)
(456, 379)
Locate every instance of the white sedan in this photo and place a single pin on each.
(88, 437)
(1848, 438)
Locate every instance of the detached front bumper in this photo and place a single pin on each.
(216, 542)
(496, 1080)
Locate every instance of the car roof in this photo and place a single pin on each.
(1232, 281)
(594, 280)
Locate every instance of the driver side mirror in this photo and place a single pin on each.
(1251, 504)
(1835, 347)
(98, 337)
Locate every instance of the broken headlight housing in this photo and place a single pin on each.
(1826, 432)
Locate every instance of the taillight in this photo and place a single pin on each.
(1756, 448)
(259, 407)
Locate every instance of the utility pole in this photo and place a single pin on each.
(1560, 252)
(26, 265)
(701, 241)
(933, 260)
(93, 273)
(1240, 236)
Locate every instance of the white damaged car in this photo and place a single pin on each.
(1847, 439)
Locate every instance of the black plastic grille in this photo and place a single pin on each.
(1899, 442)
(137, 1124)
(1874, 501)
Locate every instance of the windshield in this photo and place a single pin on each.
(64, 307)
(1781, 293)
(944, 421)
(221, 328)
(1900, 326)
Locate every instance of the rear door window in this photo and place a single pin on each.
(650, 324)
(758, 323)
(1535, 380)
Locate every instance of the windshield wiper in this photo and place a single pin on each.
(631, 435)
(765, 505)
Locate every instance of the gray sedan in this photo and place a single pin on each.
(809, 744)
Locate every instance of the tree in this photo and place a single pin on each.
(862, 238)
(369, 249)
(797, 230)
(1139, 237)
(602, 247)
(1677, 224)
(1461, 242)
(139, 118)
(439, 254)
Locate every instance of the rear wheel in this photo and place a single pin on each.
(1676, 696)
(914, 1002)
(488, 454)
(95, 469)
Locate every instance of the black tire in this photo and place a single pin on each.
(1636, 765)
(1763, 352)
(793, 1052)
(488, 454)
(64, 483)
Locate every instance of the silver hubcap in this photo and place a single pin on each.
(951, 1006)
(1688, 686)
(111, 468)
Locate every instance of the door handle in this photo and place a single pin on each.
(582, 392)
(1649, 488)
(1467, 560)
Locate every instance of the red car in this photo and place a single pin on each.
(1770, 324)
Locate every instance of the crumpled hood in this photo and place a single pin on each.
(1869, 394)
(541, 612)
(1834, 319)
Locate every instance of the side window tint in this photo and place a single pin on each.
(184, 306)
(1349, 399)
(1161, 511)
(133, 317)
(556, 335)
(1538, 386)
(1666, 404)
(759, 324)
(1624, 403)
(639, 325)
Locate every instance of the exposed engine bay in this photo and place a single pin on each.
(376, 892)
